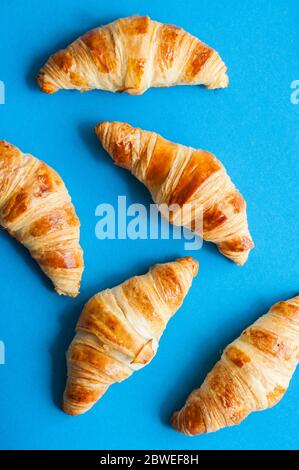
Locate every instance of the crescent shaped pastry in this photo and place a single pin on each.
(36, 209)
(133, 54)
(253, 374)
(119, 331)
(190, 182)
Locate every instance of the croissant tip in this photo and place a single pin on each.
(99, 127)
(192, 262)
(68, 409)
(68, 294)
(186, 428)
(241, 263)
(45, 86)
(71, 410)
(242, 259)
(74, 295)
(223, 83)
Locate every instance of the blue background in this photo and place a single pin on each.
(253, 129)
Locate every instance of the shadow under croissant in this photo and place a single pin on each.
(90, 140)
(176, 397)
(27, 258)
(67, 324)
(134, 188)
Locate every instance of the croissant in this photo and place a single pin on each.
(119, 331)
(133, 54)
(36, 209)
(193, 183)
(253, 374)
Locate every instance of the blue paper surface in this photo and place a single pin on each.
(252, 127)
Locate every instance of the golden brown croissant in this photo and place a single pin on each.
(192, 181)
(253, 373)
(133, 54)
(119, 331)
(36, 209)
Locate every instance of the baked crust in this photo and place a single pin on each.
(253, 373)
(36, 209)
(192, 182)
(119, 330)
(133, 54)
